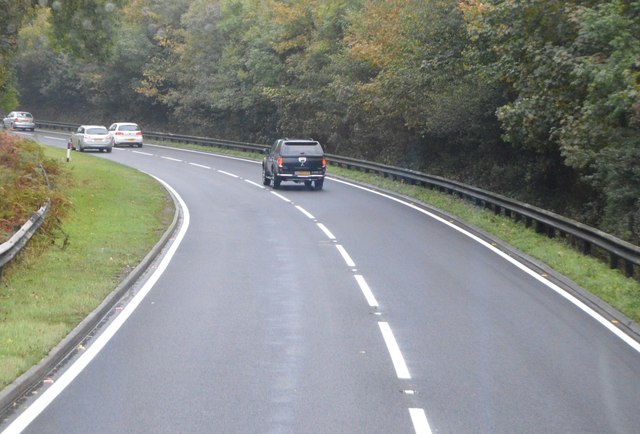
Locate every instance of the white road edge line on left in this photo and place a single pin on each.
(32, 412)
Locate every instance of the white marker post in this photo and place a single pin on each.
(68, 150)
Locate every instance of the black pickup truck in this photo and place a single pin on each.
(294, 160)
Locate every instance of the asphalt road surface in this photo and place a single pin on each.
(333, 311)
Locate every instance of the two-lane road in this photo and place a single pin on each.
(338, 311)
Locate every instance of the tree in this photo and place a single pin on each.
(13, 12)
(573, 73)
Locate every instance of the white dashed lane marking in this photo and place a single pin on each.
(345, 256)
(254, 183)
(171, 159)
(368, 295)
(305, 212)
(200, 165)
(326, 231)
(420, 422)
(280, 196)
(228, 174)
(394, 351)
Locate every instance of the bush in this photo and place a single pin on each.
(27, 180)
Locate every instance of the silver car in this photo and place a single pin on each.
(19, 120)
(91, 137)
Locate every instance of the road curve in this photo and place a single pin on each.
(331, 311)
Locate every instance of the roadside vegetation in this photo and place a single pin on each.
(27, 180)
(112, 216)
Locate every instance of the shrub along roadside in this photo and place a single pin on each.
(58, 281)
(27, 179)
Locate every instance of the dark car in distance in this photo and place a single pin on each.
(297, 160)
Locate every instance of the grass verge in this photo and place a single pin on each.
(117, 216)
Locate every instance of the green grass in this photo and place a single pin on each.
(590, 273)
(117, 215)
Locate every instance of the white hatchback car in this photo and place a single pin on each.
(125, 133)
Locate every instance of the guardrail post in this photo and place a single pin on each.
(613, 261)
(551, 232)
(628, 268)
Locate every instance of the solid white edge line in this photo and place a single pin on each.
(305, 212)
(228, 174)
(199, 165)
(589, 311)
(326, 231)
(420, 422)
(345, 256)
(280, 196)
(170, 158)
(394, 351)
(366, 290)
(32, 412)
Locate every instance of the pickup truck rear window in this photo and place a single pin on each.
(292, 149)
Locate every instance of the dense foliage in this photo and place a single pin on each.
(536, 99)
(27, 180)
